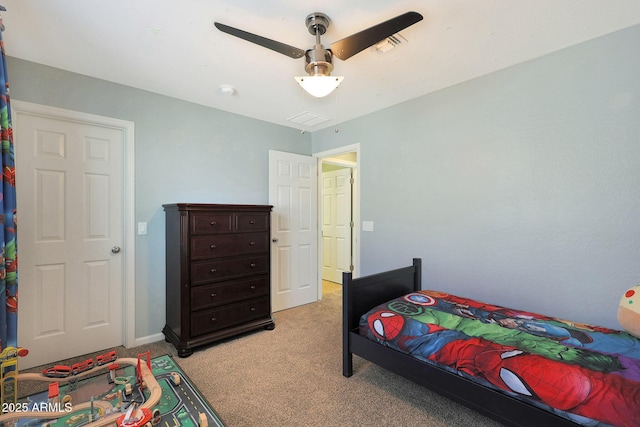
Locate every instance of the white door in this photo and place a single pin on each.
(70, 203)
(336, 224)
(293, 192)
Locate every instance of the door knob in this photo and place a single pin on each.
(274, 240)
(115, 249)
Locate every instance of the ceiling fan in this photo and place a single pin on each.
(319, 61)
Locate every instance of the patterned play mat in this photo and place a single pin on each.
(181, 404)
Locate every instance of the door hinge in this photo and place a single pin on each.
(351, 268)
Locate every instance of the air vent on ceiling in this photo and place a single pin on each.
(307, 119)
(389, 43)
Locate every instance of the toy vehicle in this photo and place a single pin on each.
(57, 371)
(106, 358)
(12, 352)
(156, 417)
(81, 367)
(76, 418)
(175, 378)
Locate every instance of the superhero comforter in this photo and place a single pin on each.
(585, 373)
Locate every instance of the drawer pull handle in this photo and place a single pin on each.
(213, 295)
(253, 264)
(212, 247)
(213, 223)
(213, 270)
(253, 287)
(252, 222)
(252, 243)
(253, 309)
(213, 319)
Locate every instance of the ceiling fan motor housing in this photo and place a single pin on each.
(319, 61)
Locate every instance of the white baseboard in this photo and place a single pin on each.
(148, 339)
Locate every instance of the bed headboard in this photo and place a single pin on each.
(361, 294)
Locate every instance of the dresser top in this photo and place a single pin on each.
(213, 206)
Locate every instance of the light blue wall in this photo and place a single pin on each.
(183, 153)
(521, 187)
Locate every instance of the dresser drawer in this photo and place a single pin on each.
(252, 221)
(217, 245)
(207, 296)
(208, 223)
(228, 315)
(210, 271)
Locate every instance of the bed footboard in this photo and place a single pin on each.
(359, 295)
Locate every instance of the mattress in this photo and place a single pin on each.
(586, 373)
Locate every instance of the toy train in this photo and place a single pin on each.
(63, 371)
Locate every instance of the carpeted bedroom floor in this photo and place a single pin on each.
(292, 376)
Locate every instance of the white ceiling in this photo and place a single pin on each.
(172, 47)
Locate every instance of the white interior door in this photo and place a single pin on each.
(336, 224)
(70, 202)
(293, 192)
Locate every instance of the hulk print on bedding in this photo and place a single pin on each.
(586, 373)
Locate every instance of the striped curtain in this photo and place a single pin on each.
(8, 245)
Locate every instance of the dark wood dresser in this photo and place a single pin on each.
(217, 272)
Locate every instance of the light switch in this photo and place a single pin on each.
(142, 228)
(367, 225)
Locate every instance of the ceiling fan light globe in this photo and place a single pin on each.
(319, 86)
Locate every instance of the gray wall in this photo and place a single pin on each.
(183, 153)
(521, 187)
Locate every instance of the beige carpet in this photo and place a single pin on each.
(292, 376)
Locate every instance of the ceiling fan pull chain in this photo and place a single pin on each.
(337, 110)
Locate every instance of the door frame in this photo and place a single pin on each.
(355, 203)
(128, 199)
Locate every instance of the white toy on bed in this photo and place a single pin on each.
(629, 311)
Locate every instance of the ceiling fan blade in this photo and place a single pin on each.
(349, 46)
(282, 48)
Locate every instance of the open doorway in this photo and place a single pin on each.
(338, 202)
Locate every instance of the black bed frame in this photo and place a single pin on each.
(361, 294)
